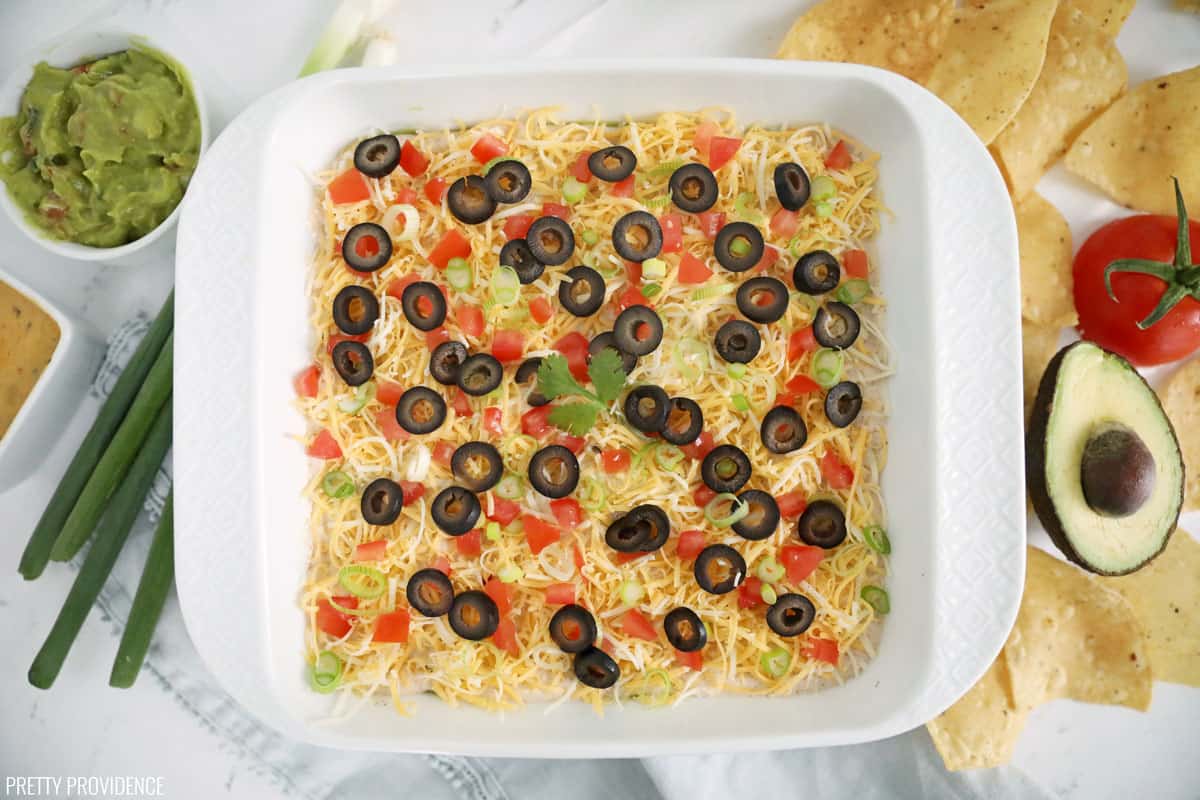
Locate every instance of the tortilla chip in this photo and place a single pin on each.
(1039, 343)
(991, 59)
(1082, 75)
(903, 36)
(1109, 15)
(1188, 5)
(981, 729)
(1045, 246)
(1181, 400)
(1165, 595)
(1077, 638)
(1132, 149)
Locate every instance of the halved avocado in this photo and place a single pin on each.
(1103, 465)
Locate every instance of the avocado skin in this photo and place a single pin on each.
(1035, 466)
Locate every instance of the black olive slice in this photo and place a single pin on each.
(725, 469)
(738, 246)
(446, 361)
(737, 341)
(817, 272)
(638, 330)
(527, 375)
(554, 471)
(573, 628)
(842, 403)
(646, 408)
(637, 236)
(420, 410)
(455, 510)
(606, 341)
(656, 520)
(469, 200)
(474, 615)
(612, 164)
(791, 615)
(693, 188)
(508, 181)
(477, 466)
(551, 240)
(430, 592)
(355, 309)
(627, 534)
(596, 668)
(822, 525)
(684, 421)
(381, 502)
(353, 361)
(377, 156)
(367, 247)
(684, 630)
(582, 293)
(720, 569)
(480, 374)
(783, 430)
(791, 186)
(762, 518)
(424, 305)
(763, 299)
(836, 325)
(516, 254)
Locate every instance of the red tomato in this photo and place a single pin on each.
(470, 319)
(822, 650)
(396, 287)
(539, 533)
(334, 339)
(540, 310)
(412, 160)
(462, 403)
(574, 346)
(535, 422)
(839, 156)
(412, 490)
(389, 427)
(770, 256)
(567, 512)
(836, 472)
(516, 226)
(436, 336)
(692, 270)
(622, 188)
(508, 346)
(632, 296)
(435, 190)
(324, 446)
(391, 627)
(711, 223)
(580, 169)
(800, 561)
(488, 147)
(721, 150)
(470, 543)
(578, 555)
(503, 511)
(625, 558)
(693, 660)
(505, 637)
(388, 392)
(635, 624)
(556, 210)
(573, 443)
(705, 132)
(854, 264)
(672, 232)
(443, 452)
(750, 592)
(442, 565)
(406, 196)
(1113, 325)
(701, 447)
(785, 223)
(306, 381)
(791, 504)
(349, 187)
(802, 384)
(702, 495)
(615, 460)
(690, 544)
(801, 342)
(493, 421)
(331, 621)
(452, 245)
(498, 591)
(560, 594)
(633, 272)
(371, 551)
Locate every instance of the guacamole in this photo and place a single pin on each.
(100, 153)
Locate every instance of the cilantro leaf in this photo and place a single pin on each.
(607, 374)
(574, 418)
(555, 379)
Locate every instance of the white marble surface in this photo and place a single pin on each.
(82, 727)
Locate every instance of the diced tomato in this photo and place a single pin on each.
(802, 384)
(721, 150)
(702, 495)
(503, 510)
(435, 190)
(488, 147)
(331, 621)
(406, 195)
(442, 565)
(854, 264)
(324, 446)
(442, 453)
(606, 645)
(631, 296)
(574, 346)
(469, 319)
(389, 426)
(412, 160)
(791, 504)
(625, 558)
(438, 335)
(349, 187)
(388, 392)
(516, 226)
(493, 421)
(837, 473)
(800, 561)
(839, 156)
(462, 403)
(770, 256)
(345, 601)
(396, 287)
(822, 650)
(470, 543)
(306, 381)
(337, 338)
(505, 637)
(672, 232)
(412, 490)
(750, 592)
(371, 551)
(692, 270)
(539, 533)
(567, 512)
(573, 443)
(580, 169)
(536, 421)
(705, 132)
(785, 223)
(701, 447)
(693, 660)
(540, 310)
(801, 342)
(615, 460)
(578, 554)
(392, 627)
(556, 210)
(622, 188)
(560, 594)
(498, 591)
(635, 624)
(508, 346)
(690, 544)
(711, 223)
(452, 245)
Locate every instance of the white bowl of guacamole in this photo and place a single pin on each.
(99, 136)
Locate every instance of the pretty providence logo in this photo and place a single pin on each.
(107, 786)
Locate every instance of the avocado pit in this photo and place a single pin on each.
(1116, 470)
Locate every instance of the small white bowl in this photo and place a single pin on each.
(55, 397)
(67, 51)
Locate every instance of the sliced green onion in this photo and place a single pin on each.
(492, 531)
(363, 394)
(823, 209)
(506, 286)
(823, 188)
(654, 269)
(591, 494)
(654, 688)
(795, 248)
(666, 168)
(739, 247)
(631, 592)
(458, 273)
(668, 456)
(737, 510)
(326, 673)
(805, 301)
(736, 370)
(337, 484)
(690, 357)
(877, 599)
(590, 237)
(412, 221)
(510, 573)
(853, 291)
(651, 289)
(769, 570)
(739, 402)
(656, 202)
(573, 190)
(877, 539)
(710, 292)
(767, 592)
(826, 367)
(776, 661)
(742, 209)
(510, 487)
(362, 581)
